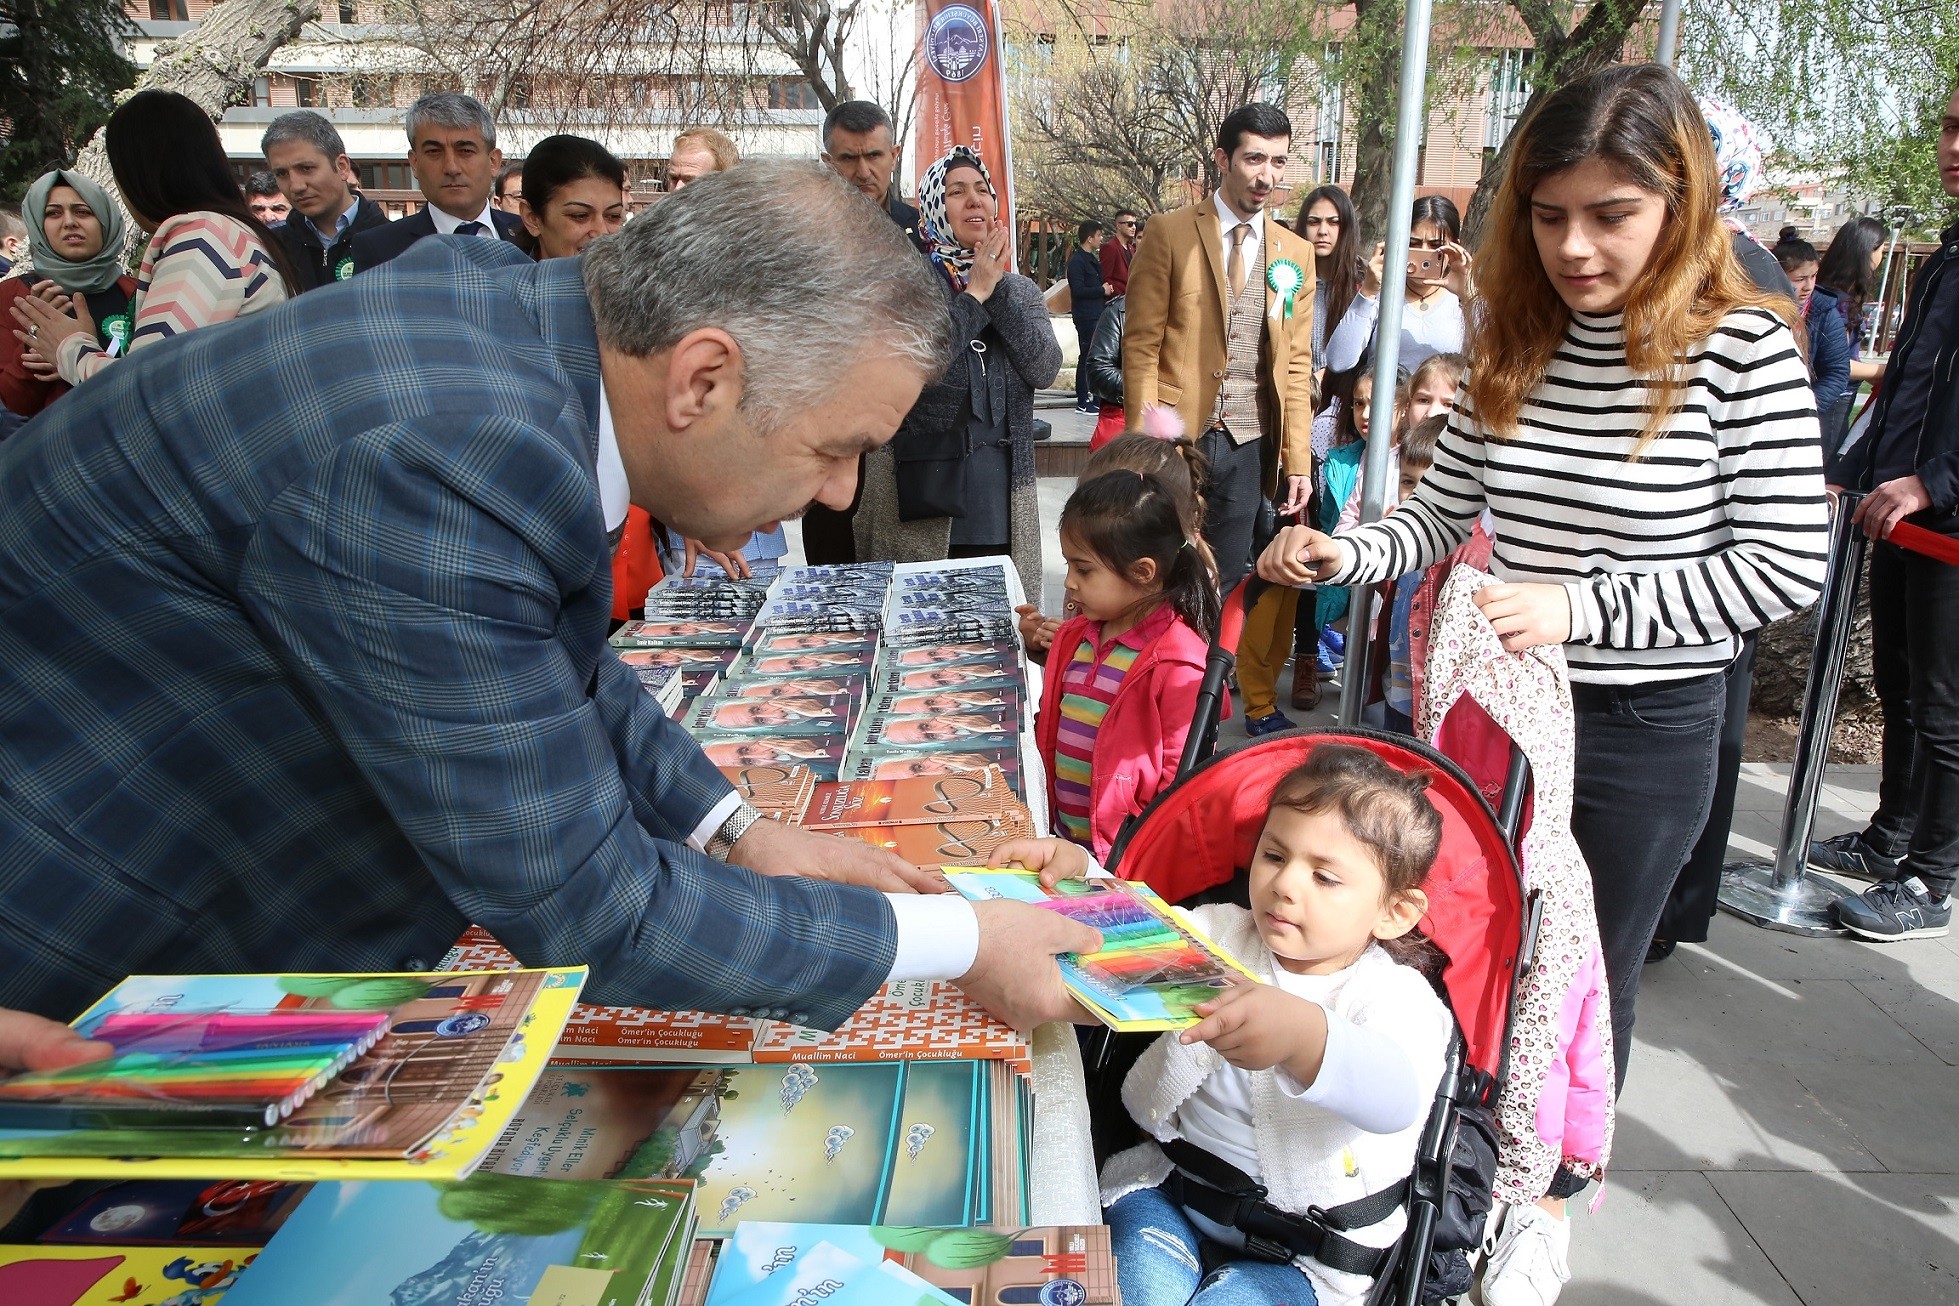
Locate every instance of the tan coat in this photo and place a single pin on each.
(1173, 350)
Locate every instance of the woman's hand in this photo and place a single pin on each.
(1054, 859)
(989, 264)
(1525, 616)
(1299, 556)
(1370, 280)
(44, 319)
(1460, 279)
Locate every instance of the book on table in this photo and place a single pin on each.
(106, 1274)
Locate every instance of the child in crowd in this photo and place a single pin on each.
(1431, 390)
(1160, 450)
(1123, 675)
(1346, 421)
(1315, 1083)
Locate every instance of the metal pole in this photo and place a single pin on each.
(1669, 42)
(1408, 116)
(1883, 313)
(1782, 895)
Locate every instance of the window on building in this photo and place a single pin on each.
(1509, 92)
(347, 14)
(305, 91)
(169, 11)
(787, 94)
(385, 175)
(1332, 113)
(520, 94)
(262, 92)
(373, 91)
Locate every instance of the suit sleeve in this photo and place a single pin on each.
(1146, 314)
(419, 601)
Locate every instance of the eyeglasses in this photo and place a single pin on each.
(1130, 225)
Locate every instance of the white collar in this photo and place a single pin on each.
(615, 495)
(446, 225)
(1227, 219)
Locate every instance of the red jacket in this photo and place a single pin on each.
(1115, 265)
(1142, 736)
(21, 390)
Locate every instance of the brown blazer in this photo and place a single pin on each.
(1173, 335)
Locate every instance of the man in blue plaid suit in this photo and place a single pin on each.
(302, 625)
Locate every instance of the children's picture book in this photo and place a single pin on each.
(109, 1275)
(461, 1051)
(680, 634)
(997, 1263)
(1154, 967)
(179, 1212)
(777, 717)
(193, 1069)
(850, 1144)
(821, 1270)
(974, 795)
(487, 1239)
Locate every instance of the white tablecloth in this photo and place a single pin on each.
(1061, 1158)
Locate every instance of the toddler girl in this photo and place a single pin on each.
(1316, 1083)
(1122, 675)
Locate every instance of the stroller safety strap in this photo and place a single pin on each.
(1226, 1195)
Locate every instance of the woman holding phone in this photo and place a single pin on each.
(1638, 420)
(1438, 279)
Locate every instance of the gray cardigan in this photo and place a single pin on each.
(1019, 318)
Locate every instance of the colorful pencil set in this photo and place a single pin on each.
(194, 1068)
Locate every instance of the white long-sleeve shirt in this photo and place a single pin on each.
(1435, 330)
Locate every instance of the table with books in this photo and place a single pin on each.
(477, 1136)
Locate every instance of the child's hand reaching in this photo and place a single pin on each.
(1036, 631)
(1055, 859)
(1258, 1026)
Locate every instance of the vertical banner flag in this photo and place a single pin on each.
(962, 90)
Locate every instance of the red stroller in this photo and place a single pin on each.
(1194, 840)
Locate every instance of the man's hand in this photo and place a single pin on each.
(1014, 975)
(732, 562)
(30, 1042)
(1299, 555)
(1258, 1026)
(1889, 504)
(1298, 490)
(772, 848)
(1055, 859)
(1525, 616)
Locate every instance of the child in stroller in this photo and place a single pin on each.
(1315, 1085)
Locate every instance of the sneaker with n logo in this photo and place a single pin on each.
(1896, 909)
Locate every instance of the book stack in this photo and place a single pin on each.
(696, 649)
(707, 598)
(964, 606)
(808, 600)
(958, 818)
(913, 1019)
(781, 793)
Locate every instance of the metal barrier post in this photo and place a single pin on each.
(1410, 111)
(1668, 44)
(1782, 895)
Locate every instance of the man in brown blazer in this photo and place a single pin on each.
(1209, 332)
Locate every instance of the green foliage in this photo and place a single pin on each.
(904, 1237)
(354, 993)
(651, 1158)
(61, 64)
(514, 1204)
(967, 1249)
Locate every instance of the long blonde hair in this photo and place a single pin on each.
(1642, 121)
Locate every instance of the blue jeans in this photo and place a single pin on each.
(1160, 1262)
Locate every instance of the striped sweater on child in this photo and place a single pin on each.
(1719, 528)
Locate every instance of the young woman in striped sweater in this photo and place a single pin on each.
(1639, 423)
(209, 259)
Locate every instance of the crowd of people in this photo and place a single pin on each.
(304, 676)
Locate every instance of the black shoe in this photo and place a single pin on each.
(1659, 950)
(1848, 854)
(1895, 909)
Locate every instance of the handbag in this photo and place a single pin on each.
(931, 465)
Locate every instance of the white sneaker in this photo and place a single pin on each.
(1530, 1261)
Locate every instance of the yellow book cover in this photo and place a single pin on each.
(462, 1051)
(119, 1276)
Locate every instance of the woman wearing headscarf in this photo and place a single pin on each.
(74, 241)
(958, 481)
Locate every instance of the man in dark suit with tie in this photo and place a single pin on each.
(303, 677)
(452, 150)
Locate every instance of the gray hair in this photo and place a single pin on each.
(303, 125)
(791, 262)
(857, 117)
(454, 110)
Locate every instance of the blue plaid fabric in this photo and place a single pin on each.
(303, 666)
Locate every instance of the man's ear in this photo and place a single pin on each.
(703, 377)
(1401, 914)
(1222, 160)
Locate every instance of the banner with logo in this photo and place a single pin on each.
(962, 90)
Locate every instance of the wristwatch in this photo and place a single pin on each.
(723, 841)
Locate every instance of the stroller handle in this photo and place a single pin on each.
(1202, 740)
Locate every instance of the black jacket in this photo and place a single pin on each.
(907, 219)
(373, 248)
(1085, 283)
(1104, 356)
(316, 267)
(1938, 439)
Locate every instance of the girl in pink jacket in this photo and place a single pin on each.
(1123, 675)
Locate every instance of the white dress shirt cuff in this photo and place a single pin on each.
(938, 936)
(716, 817)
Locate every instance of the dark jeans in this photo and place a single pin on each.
(1695, 894)
(1897, 788)
(1237, 489)
(1644, 777)
(1085, 331)
(1930, 615)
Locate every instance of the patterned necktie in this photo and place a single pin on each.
(1235, 267)
(470, 229)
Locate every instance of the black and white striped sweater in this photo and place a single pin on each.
(1720, 528)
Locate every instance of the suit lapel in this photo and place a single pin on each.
(1210, 234)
